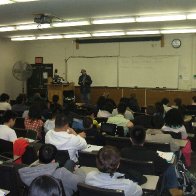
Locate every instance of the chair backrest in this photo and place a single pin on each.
(19, 123)
(144, 167)
(61, 157)
(120, 131)
(101, 119)
(20, 132)
(8, 179)
(191, 109)
(119, 142)
(87, 159)
(165, 147)
(108, 128)
(6, 148)
(144, 120)
(31, 134)
(85, 190)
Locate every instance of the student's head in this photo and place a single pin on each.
(61, 121)
(178, 102)
(4, 97)
(174, 118)
(159, 108)
(121, 108)
(55, 98)
(47, 153)
(35, 112)
(101, 102)
(108, 107)
(150, 110)
(108, 159)
(9, 118)
(45, 186)
(20, 99)
(87, 122)
(138, 135)
(165, 101)
(125, 101)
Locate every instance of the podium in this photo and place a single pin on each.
(58, 89)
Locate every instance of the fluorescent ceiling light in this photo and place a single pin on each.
(77, 35)
(23, 38)
(173, 31)
(143, 32)
(102, 34)
(191, 16)
(18, 1)
(4, 29)
(113, 20)
(160, 18)
(69, 24)
(3, 2)
(50, 37)
(27, 27)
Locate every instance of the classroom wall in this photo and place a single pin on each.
(10, 52)
(56, 51)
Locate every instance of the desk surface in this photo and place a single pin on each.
(151, 183)
(181, 143)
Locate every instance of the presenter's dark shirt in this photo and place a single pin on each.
(85, 83)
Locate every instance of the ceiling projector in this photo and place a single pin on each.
(43, 19)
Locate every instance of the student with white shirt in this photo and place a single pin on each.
(6, 131)
(65, 138)
(4, 102)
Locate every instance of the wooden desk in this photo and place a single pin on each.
(151, 183)
(58, 89)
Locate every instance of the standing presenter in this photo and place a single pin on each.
(85, 86)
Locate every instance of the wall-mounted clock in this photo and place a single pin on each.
(176, 43)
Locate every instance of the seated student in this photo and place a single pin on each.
(6, 131)
(174, 123)
(4, 102)
(120, 120)
(65, 138)
(128, 112)
(55, 104)
(34, 121)
(46, 185)
(165, 102)
(108, 161)
(158, 116)
(47, 166)
(106, 111)
(20, 104)
(138, 152)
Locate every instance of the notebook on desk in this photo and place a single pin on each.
(169, 156)
(91, 148)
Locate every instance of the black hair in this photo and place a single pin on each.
(159, 109)
(61, 120)
(121, 108)
(45, 186)
(4, 97)
(55, 98)
(178, 102)
(125, 100)
(174, 118)
(108, 107)
(194, 99)
(165, 101)
(9, 114)
(87, 122)
(20, 99)
(47, 153)
(138, 135)
(101, 102)
(35, 112)
(108, 159)
(150, 109)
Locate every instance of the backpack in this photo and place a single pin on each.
(186, 179)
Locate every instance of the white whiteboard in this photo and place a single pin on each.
(149, 71)
(103, 70)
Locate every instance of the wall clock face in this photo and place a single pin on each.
(176, 43)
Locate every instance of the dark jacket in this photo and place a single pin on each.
(85, 83)
(140, 153)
